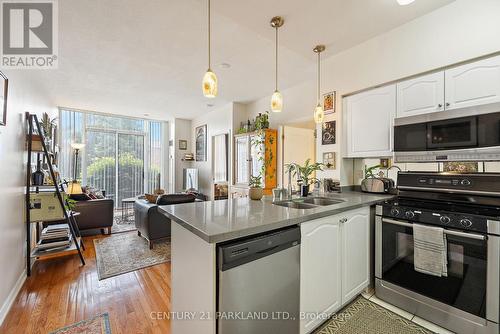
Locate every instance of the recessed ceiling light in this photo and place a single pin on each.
(225, 65)
(405, 2)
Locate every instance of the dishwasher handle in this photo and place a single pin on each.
(247, 250)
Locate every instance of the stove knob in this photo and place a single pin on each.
(410, 214)
(395, 211)
(466, 223)
(445, 219)
(466, 182)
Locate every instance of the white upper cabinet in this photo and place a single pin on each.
(473, 84)
(368, 122)
(355, 253)
(421, 95)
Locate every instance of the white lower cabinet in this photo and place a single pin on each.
(320, 265)
(334, 264)
(355, 253)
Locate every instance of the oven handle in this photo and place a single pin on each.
(450, 232)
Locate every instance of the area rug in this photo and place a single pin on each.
(365, 317)
(96, 325)
(125, 252)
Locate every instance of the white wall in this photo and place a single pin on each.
(181, 129)
(457, 32)
(23, 96)
(298, 146)
(218, 121)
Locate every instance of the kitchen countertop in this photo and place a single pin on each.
(225, 220)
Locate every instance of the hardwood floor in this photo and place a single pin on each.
(61, 292)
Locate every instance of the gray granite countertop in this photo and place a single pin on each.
(224, 220)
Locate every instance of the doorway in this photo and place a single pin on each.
(299, 144)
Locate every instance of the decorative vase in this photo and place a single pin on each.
(37, 177)
(304, 190)
(256, 194)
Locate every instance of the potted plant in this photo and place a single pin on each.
(304, 174)
(262, 121)
(255, 190)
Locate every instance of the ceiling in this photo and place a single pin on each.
(148, 57)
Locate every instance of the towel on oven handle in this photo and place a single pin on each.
(430, 250)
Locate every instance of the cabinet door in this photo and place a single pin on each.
(421, 95)
(355, 252)
(320, 264)
(369, 122)
(473, 84)
(242, 153)
(257, 148)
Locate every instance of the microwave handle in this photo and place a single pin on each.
(449, 232)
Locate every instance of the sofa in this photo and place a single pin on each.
(150, 223)
(95, 214)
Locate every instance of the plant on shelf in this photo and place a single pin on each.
(262, 121)
(47, 125)
(304, 174)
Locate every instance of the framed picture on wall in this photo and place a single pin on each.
(328, 133)
(183, 145)
(4, 88)
(329, 160)
(329, 102)
(201, 143)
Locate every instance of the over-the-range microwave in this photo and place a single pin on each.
(463, 138)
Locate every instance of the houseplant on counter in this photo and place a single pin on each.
(304, 174)
(255, 190)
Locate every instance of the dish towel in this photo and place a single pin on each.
(430, 250)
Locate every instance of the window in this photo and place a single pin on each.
(122, 156)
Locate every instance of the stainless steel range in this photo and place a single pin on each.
(467, 207)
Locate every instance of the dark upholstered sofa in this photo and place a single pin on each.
(95, 214)
(150, 223)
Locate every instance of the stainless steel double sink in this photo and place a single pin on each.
(308, 202)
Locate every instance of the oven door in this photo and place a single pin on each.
(452, 133)
(470, 276)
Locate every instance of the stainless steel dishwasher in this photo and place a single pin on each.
(259, 284)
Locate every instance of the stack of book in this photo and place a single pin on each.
(54, 237)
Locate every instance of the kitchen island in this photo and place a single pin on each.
(198, 228)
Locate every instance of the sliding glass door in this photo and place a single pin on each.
(130, 165)
(100, 161)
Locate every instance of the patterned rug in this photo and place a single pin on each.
(364, 317)
(125, 252)
(96, 325)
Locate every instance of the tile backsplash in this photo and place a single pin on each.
(359, 165)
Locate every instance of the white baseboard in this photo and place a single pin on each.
(12, 297)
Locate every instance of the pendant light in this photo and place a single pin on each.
(319, 113)
(277, 98)
(209, 84)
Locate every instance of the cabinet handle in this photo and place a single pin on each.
(440, 105)
(343, 220)
(447, 104)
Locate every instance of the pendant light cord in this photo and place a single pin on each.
(276, 54)
(209, 44)
(319, 74)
